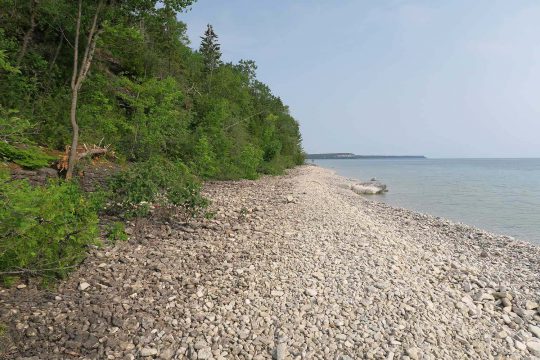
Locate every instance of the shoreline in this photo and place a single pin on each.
(373, 198)
(294, 266)
(493, 206)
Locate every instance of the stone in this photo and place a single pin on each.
(311, 292)
(145, 352)
(281, 352)
(167, 353)
(535, 330)
(519, 345)
(534, 347)
(204, 353)
(83, 286)
(201, 344)
(318, 275)
(21, 286)
(531, 305)
(414, 353)
(290, 199)
(484, 254)
(277, 293)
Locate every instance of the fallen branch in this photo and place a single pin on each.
(83, 152)
(34, 271)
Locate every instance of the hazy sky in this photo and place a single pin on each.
(440, 78)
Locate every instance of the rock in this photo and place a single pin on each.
(519, 345)
(277, 293)
(369, 188)
(166, 354)
(318, 275)
(201, 344)
(290, 199)
(281, 352)
(204, 353)
(414, 353)
(535, 330)
(49, 172)
(311, 292)
(502, 295)
(83, 286)
(484, 254)
(21, 286)
(534, 347)
(145, 352)
(531, 305)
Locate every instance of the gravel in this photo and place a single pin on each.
(290, 267)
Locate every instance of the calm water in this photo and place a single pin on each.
(499, 195)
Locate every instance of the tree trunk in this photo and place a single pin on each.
(56, 53)
(77, 79)
(74, 98)
(28, 34)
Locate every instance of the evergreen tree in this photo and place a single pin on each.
(210, 49)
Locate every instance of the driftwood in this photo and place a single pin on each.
(83, 151)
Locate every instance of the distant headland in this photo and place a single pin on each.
(353, 156)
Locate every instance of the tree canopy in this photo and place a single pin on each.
(145, 91)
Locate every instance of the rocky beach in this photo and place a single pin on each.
(291, 267)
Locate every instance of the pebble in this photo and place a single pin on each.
(535, 330)
(83, 286)
(145, 352)
(331, 276)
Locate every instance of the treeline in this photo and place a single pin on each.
(121, 74)
(139, 87)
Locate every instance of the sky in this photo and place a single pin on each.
(393, 77)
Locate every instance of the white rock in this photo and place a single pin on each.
(311, 292)
(83, 286)
(281, 351)
(519, 345)
(145, 352)
(531, 305)
(204, 353)
(534, 347)
(414, 353)
(535, 330)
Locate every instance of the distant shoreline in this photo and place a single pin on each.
(347, 156)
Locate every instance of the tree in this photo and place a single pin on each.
(80, 71)
(210, 49)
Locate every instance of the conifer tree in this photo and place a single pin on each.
(210, 49)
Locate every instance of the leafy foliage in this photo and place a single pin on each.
(156, 181)
(116, 232)
(44, 230)
(30, 157)
(147, 94)
(176, 114)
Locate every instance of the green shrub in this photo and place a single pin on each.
(44, 230)
(30, 157)
(156, 181)
(116, 232)
(250, 160)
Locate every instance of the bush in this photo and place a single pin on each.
(44, 230)
(250, 159)
(29, 157)
(156, 181)
(116, 232)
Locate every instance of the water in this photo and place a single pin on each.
(498, 195)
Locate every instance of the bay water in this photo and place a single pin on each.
(498, 195)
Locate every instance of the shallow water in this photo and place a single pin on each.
(498, 195)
